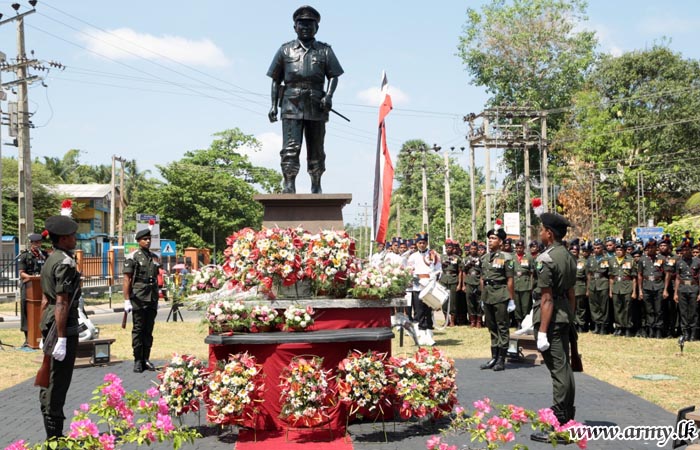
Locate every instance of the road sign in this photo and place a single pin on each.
(647, 233)
(511, 224)
(167, 247)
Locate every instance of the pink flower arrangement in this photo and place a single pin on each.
(298, 318)
(305, 396)
(502, 426)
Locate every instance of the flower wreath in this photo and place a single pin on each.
(305, 396)
(183, 383)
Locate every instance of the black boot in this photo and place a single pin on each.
(492, 361)
(316, 184)
(658, 334)
(289, 187)
(53, 426)
(501, 360)
(138, 366)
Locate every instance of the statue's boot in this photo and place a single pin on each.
(289, 187)
(316, 184)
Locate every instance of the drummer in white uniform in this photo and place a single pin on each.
(376, 258)
(426, 267)
(392, 256)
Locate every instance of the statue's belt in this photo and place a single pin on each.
(304, 85)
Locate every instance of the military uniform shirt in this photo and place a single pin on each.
(522, 271)
(30, 263)
(471, 266)
(598, 268)
(145, 275)
(304, 72)
(581, 277)
(622, 273)
(60, 276)
(652, 271)
(556, 269)
(687, 271)
(496, 268)
(450, 269)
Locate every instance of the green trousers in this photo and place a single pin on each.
(53, 397)
(599, 302)
(523, 304)
(556, 358)
(497, 321)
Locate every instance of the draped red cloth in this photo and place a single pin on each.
(275, 357)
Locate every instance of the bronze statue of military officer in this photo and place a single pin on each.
(299, 72)
(60, 283)
(141, 297)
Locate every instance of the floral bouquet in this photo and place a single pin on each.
(389, 280)
(305, 395)
(499, 424)
(210, 278)
(424, 384)
(233, 391)
(297, 318)
(263, 318)
(326, 261)
(225, 315)
(362, 382)
(182, 383)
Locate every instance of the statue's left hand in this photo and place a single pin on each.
(327, 103)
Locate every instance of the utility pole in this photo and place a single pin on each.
(448, 206)
(112, 202)
(2, 98)
(472, 173)
(543, 134)
(487, 171)
(398, 215)
(425, 192)
(122, 203)
(365, 232)
(526, 167)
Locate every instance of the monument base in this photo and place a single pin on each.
(313, 212)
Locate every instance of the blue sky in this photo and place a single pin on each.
(152, 80)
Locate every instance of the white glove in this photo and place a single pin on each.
(511, 305)
(542, 342)
(127, 306)
(41, 344)
(59, 351)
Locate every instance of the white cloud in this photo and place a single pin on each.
(125, 43)
(373, 96)
(606, 39)
(269, 155)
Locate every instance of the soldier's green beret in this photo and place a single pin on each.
(61, 225)
(500, 233)
(35, 237)
(143, 233)
(306, 12)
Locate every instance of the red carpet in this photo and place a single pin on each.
(319, 439)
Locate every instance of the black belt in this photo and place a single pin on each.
(688, 282)
(304, 85)
(146, 280)
(494, 283)
(621, 278)
(652, 278)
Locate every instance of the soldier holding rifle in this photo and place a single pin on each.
(60, 282)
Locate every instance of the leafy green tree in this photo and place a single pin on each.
(637, 119)
(207, 194)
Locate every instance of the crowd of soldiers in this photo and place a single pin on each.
(633, 289)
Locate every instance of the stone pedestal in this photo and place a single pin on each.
(313, 212)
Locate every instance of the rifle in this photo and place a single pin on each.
(576, 364)
(124, 319)
(43, 375)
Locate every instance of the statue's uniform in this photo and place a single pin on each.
(304, 72)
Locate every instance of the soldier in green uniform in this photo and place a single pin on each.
(623, 289)
(554, 315)
(580, 287)
(29, 264)
(687, 270)
(523, 265)
(471, 276)
(666, 251)
(451, 264)
(497, 293)
(141, 297)
(599, 288)
(299, 72)
(60, 283)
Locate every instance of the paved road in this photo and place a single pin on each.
(598, 403)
